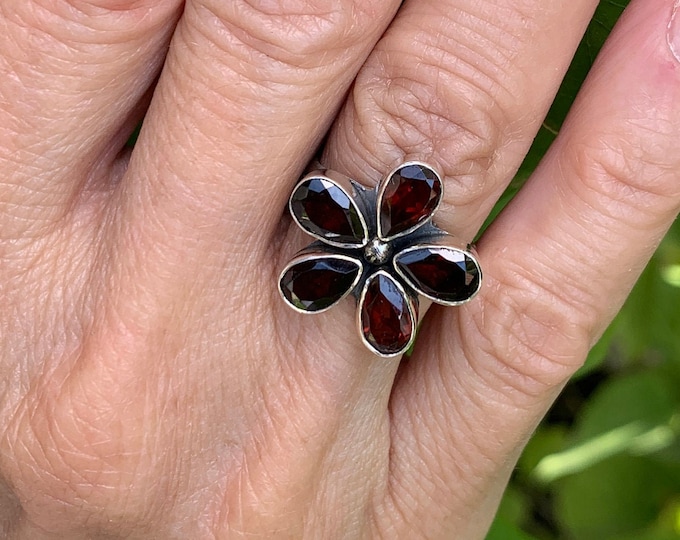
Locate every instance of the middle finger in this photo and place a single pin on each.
(248, 90)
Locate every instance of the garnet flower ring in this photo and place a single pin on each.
(381, 245)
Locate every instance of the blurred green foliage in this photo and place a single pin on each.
(605, 462)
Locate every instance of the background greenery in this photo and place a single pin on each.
(605, 462)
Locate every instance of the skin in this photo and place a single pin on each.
(152, 382)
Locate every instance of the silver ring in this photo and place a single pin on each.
(381, 245)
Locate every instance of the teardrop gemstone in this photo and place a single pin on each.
(322, 208)
(445, 274)
(317, 284)
(387, 322)
(410, 197)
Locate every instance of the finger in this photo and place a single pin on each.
(558, 264)
(73, 74)
(431, 90)
(248, 91)
(448, 87)
(439, 87)
(454, 83)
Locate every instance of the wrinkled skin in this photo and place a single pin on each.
(152, 382)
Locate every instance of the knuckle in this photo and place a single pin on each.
(618, 166)
(295, 33)
(534, 332)
(54, 473)
(74, 440)
(95, 21)
(449, 113)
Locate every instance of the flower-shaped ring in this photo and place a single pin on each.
(381, 245)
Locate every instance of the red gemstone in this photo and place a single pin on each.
(410, 197)
(325, 210)
(386, 320)
(443, 273)
(315, 285)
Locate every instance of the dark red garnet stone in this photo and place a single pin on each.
(445, 274)
(386, 321)
(317, 284)
(325, 210)
(411, 195)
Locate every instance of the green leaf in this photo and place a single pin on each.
(598, 354)
(514, 507)
(651, 534)
(646, 397)
(547, 440)
(618, 496)
(502, 530)
(636, 414)
(635, 437)
(671, 274)
(649, 321)
(669, 256)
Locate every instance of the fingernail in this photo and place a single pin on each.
(673, 35)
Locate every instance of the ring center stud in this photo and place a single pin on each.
(377, 252)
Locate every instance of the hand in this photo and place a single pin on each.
(153, 383)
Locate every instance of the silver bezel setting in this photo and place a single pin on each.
(346, 185)
(373, 254)
(412, 306)
(381, 191)
(307, 255)
(469, 252)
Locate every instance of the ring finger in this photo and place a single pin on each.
(457, 84)
(450, 83)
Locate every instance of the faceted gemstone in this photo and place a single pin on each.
(411, 195)
(317, 284)
(443, 273)
(386, 321)
(325, 210)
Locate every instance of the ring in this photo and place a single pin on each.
(380, 245)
